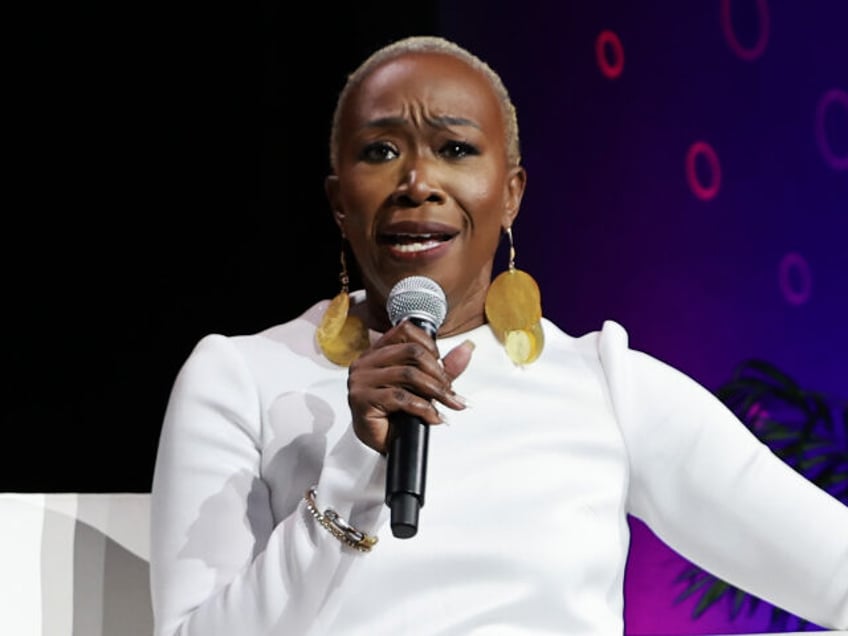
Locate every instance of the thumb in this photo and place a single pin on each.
(456, 360)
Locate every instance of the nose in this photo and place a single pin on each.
(418, 184)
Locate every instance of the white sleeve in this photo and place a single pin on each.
(219, 565)
(719, 497)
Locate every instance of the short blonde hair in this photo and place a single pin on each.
(429, 44)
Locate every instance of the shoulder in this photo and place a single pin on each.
(284, 345)
(608, 350)
(608, 343)
(294, 329)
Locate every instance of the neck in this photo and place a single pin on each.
(462, 324)
(467, 315)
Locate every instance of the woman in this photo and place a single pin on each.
(269, 510)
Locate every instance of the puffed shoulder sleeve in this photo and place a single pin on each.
(219, 563)
(718, 496)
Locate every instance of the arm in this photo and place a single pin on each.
(219, 564)
(717, 495)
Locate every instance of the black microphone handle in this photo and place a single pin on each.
(406, 471)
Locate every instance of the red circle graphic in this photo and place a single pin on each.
(833, 96)
(795, 294)
(730, 34)
(609, 40)
(703, 192)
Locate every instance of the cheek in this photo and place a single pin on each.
(482, 196)
(364, 192)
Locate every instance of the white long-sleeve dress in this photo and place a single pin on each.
(524, 527)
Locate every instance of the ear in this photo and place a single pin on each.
(515, 184)
(331, 189)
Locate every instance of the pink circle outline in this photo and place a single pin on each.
(787, 263)
(705, 193)
(610, 38)
(832, 96)
(730, 35)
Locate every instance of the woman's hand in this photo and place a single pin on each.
(402, 372)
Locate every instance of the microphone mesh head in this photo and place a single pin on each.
(417, 297)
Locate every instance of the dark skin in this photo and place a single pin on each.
(422, 187)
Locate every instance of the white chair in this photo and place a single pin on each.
(74, 564)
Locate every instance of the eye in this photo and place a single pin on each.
(458, 150)
(378, 152)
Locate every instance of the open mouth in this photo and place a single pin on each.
(412, 243)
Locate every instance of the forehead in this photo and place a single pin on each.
(438, 82)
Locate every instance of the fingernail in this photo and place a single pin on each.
(469, 344)
(443, 418)
(462, 399)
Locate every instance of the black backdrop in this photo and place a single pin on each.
(168, 179)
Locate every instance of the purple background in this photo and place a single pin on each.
(611, 228)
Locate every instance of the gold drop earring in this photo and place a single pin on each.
(341, 336)
(514, 311)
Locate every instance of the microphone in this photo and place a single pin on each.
(421, 301)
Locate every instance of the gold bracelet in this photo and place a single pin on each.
(337, 526)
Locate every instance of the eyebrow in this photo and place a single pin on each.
(442, 121)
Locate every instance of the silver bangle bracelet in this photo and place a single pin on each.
(337, 525)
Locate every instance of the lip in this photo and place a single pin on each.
(416, 240)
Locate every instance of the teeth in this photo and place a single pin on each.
(411, 243)
(413, 237)
(416, 247)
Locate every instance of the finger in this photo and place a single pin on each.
(408, 369)
(367, 386)
(456, 360)
(406, 331)
(412, 366)
(380, 403)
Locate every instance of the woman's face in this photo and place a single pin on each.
(422, 185)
